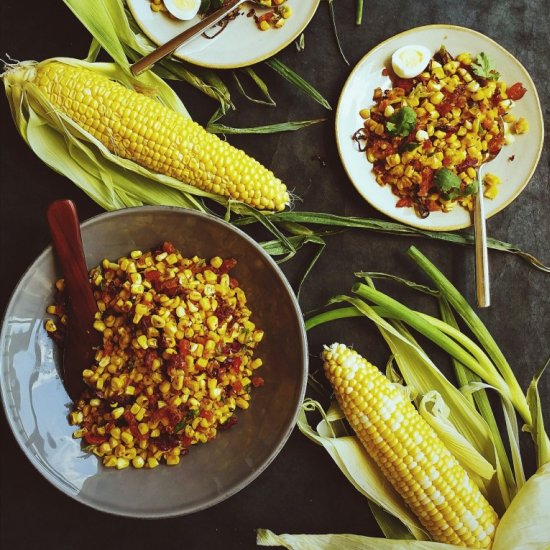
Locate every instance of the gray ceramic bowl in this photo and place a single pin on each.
(36, 404)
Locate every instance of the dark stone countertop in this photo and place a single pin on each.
(302, 491)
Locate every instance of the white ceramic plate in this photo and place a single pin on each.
(239, 45)
(367, 75)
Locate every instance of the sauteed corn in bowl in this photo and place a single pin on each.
(196, 386)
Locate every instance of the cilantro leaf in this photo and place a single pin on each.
(406, 147)
(446, 180)
(450, 185)
(402, 122)
(484, 69)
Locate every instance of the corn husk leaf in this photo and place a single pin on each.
(512, 430)
(356, 464)
(526, 523)
(348, 542)
(389, 525)
(291, 126)
(436, 412)
(463, 308)
(537, 429)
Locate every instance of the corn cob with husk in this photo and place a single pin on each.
(134, 126)
(409, 453)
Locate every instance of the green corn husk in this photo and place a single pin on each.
(473, 437)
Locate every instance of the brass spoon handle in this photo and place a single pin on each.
(186, 36)
(483, 292)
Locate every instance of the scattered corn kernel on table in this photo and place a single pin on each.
(302, 491)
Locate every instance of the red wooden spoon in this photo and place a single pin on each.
(81, 338)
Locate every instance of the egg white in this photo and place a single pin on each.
(410, 61)
(183, 9)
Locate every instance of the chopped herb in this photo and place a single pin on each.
(450, 185)
(409, 146)
(402, 122)
(484, 69)
(179, 426)
(446, 180)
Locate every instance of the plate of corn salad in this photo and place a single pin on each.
(412, 145)
(248, 36)
(167, 425)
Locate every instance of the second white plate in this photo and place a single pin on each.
(241, 44)
(515, 164)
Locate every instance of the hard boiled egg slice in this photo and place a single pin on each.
(183, 9)
(410, 61)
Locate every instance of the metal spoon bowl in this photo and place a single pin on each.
(187, 35)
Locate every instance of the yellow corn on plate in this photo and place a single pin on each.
(409, 453)
(136, 127)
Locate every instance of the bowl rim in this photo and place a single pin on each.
(237, 487)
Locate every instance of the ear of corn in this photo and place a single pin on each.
(409, 453)
(136, 127)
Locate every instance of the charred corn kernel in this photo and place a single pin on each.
(419, 466)
(286, 11)
(109, 461)
(154, 139)
(142, 341)
(521, 126)
(242, 403)
(77, 434)
(76, 417)
(117, 413)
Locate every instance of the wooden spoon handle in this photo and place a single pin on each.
(67, 240)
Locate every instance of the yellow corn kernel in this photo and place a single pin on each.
(127, 437)
(520, 126)
(138, 462)
(436, 98)
(109, 461)
(122, 463)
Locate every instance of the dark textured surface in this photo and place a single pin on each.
(302, 491)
